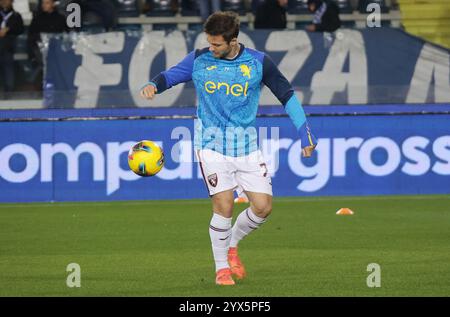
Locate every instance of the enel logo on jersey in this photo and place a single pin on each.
(236, 89)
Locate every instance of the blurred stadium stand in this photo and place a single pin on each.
(429, 19)
(183, 13)
(298, 7)
(188, 14)
(234, 5)
(127, 8)
(363, 4)
(161, 7)
(189, 8)
(344, 6)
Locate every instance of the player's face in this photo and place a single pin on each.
(218, 46)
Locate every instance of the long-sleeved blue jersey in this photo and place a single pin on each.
(228, 92)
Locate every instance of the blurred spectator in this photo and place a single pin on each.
(271, 14)
(326, 16)
(11, 25)
(207, 7)
(45, 20)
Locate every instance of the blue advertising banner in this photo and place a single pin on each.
(369, 66)
(356, 155)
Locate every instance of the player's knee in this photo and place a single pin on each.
(267, 210)
(224, 209)
(223, 204)
(262, 210)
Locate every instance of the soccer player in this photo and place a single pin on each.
(227, 78)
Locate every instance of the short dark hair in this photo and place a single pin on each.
(225, 23)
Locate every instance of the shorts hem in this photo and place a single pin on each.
(223, 190)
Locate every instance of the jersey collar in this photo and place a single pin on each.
(241, 50)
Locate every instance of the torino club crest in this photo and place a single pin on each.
(212, 180)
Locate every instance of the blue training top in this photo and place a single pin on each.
(228, 93)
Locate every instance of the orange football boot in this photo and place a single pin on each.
(223, 277)
(237, 268)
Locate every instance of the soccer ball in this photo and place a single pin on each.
(146, 158)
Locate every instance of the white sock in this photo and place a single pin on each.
(220, 234)
(245, 223)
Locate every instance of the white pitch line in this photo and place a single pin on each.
(194, 202)
(424, 197)
(87, 204)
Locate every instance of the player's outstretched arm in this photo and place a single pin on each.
(180, 73)
(295, 111)
(282, 89)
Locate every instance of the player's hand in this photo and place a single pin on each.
(149, 91)
(308, 150)
(308, 140)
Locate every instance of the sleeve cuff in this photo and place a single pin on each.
(306, 136)
(150, 83)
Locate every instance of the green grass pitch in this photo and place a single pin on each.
(162, 248)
